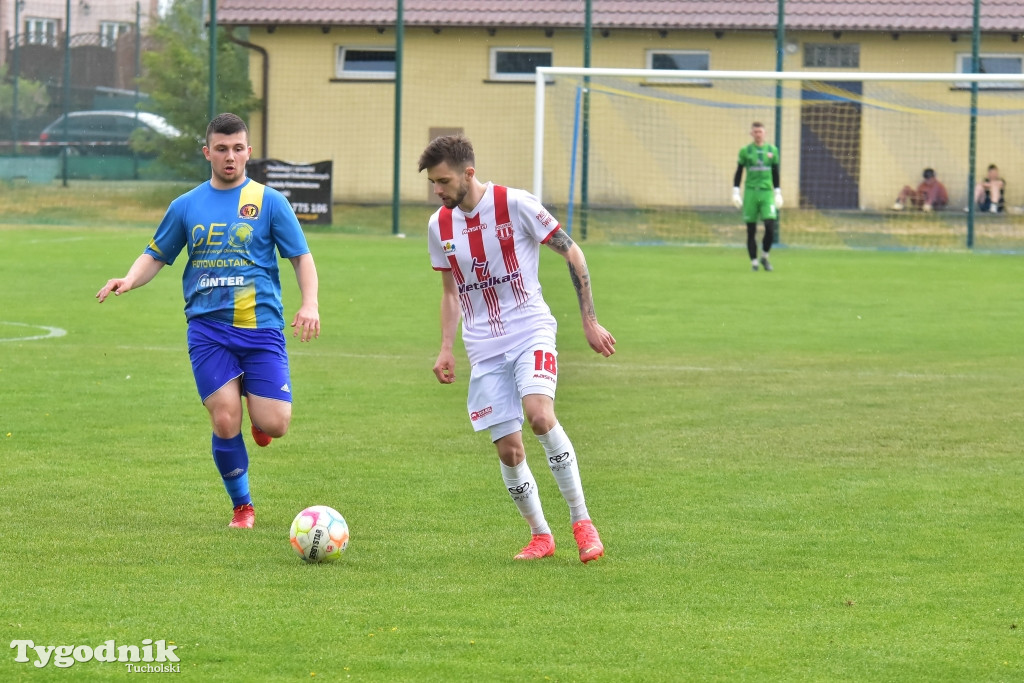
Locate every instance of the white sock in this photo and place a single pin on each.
(523, 488)
(562, 461)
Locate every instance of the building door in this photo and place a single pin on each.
(830, 121)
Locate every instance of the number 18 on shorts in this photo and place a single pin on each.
(497, 385)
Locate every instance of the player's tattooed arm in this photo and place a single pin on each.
(560, 242)
(599, 339)
(563, 244)
(581, 283)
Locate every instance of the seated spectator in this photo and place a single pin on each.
(990, 192)
(930, 194)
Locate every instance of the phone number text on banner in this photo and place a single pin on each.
(306, 186)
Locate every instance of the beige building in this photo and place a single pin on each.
(329, 74)
(44, 21)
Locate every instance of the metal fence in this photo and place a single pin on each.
(50, 75)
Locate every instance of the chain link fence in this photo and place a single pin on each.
(68, 108)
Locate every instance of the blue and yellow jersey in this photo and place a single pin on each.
(232, 274)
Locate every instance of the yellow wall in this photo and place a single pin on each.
(900, 139)
(313, 116)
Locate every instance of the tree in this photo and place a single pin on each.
(32, 96)
(176, 76)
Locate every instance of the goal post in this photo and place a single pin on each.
(663, 149)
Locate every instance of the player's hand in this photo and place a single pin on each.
(115, 286)
(306, 321)
(778, 198)
(444, 367)
(737, 198)
(600, 339)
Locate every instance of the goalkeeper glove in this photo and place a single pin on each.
(737, 200)
(778, 198)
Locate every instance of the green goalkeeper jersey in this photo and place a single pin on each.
(758, 162)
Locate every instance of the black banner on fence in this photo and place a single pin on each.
(306, 186)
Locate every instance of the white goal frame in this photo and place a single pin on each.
(544, 73)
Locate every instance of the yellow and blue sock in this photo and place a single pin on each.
(232, 461)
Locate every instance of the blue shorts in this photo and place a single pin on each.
(220, 353)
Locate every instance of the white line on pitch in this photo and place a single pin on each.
(51, 332)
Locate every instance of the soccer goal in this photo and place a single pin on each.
(631, 155)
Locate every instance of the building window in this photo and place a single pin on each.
(679, 60)
(40, 32)
(369, 63)
(110, 31)
(831, 56)
(991, 64)
(518, 63)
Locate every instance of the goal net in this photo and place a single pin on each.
(649, 155)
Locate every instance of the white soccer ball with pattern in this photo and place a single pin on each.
(319, 534)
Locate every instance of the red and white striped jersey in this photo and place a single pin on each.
(494, 254)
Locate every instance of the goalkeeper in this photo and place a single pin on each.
(761, 197)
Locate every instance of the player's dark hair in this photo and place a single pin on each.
(455, 150)
(993, 166)
(757, 124)
(226, 124)
(929, 173)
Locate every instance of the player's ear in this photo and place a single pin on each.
(470, 172)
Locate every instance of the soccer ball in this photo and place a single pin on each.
(319, 534)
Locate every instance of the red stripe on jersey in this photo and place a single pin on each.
(501, 204)
(447, 230)
(444, 222)
(483, 271)
(508, 243)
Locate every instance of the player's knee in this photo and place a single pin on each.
(542, 422)
(276, 425)
(271, 417)
(539, 409)
(510, 449)
(225, 424)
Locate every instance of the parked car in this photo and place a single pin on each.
(101, 132)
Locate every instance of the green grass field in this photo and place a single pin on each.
(813, 474)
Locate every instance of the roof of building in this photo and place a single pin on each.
(863, 15)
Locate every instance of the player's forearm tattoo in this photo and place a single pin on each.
(581, 282)
(560, 241)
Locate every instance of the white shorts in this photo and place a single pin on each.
(497, 385)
